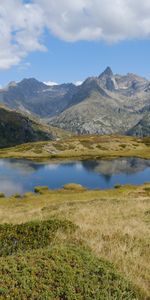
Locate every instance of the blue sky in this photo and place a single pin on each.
(70, 62)
(68, 54)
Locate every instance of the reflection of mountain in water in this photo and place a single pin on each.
(25, 166)
(106, 177)
(19, 176)
(107, 168)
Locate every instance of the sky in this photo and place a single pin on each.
(68, 41)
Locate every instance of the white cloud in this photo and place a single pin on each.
(79, 166)
(51, 167)
(109, 20)
(22, 25)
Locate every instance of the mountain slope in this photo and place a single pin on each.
(109, 104)
(103, 106)
(33, 96)
(16, 128)
(106, 104)
(95, 116)
(142, 128)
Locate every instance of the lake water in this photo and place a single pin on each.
(20, 176)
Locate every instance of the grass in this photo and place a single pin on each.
(114, 224)
(82, 147)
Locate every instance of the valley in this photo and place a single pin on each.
(74, 150)
(74, 189)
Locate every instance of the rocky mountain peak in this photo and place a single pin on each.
(107, 72)
(31, 82)
(107, 80)
(12, 84)
(31, 85)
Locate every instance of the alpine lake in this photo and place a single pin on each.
(21, 176)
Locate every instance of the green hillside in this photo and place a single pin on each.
(16, 128)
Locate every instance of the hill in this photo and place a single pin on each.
(16, 128)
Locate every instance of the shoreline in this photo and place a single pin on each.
(81, 148)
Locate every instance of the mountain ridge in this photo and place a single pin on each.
(104, 104)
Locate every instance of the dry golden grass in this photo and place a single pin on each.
(114, 223)
(82, 147)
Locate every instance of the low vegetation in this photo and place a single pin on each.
(82, 147)
(74, 187)
(62, 272)
(49, 258)
(32, 235)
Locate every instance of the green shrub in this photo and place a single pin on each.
(147, 189)
(40, 189)
(123, 146)
(146, 141)
(63, 272)
(2, 195)
(117, 186)
(16, 196)
(74, 187)
(32, 235)
(147, 212)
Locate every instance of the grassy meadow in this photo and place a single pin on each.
(81, 147)
(75, 243)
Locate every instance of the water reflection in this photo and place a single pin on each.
(19, 176)
(116, 166)
(24, 165)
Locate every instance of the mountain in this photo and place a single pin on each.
(16, 128)
(142, 128)
(106, 104)
(33, 96)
